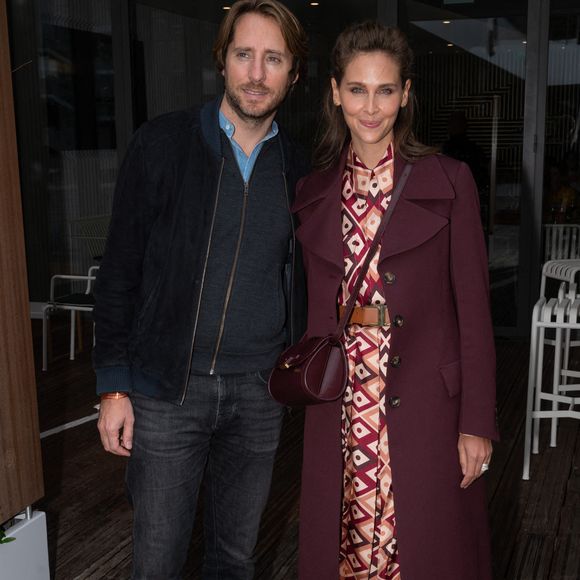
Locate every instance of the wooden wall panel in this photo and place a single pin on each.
(20, 460)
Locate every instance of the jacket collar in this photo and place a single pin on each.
(411, 224)
(210, 128)
(210, 125)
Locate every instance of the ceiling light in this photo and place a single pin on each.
(314, 3)
(226, 7)
(449, 44)
(447, 22)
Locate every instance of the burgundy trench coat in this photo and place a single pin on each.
(434, 265)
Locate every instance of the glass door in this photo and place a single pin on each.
(561, 187)
(471, 77)
(63, 78)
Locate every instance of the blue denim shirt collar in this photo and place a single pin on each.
(245, 163)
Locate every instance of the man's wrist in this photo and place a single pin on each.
(114, 395)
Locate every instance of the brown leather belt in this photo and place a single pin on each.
(374, 315)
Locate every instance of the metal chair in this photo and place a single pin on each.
(74, 302)
(563, 315)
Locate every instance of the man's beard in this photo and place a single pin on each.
(255, 117)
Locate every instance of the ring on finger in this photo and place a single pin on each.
(484, 467)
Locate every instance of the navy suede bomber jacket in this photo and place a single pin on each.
(149, 282)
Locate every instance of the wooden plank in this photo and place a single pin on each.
(532, 558)
(506, 507)
(512, 357)
(506, 491)
(518, 508)
(20, 461)
(534, 534)
(570, 514)
(89, 518)
(566, 562)
(278, 541)
(551, 468)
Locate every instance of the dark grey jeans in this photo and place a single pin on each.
(228, 430)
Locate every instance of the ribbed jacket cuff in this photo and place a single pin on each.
(111, 379)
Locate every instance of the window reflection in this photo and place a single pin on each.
(470, 65)
(76, 66)
(561, 165)
(65, 114)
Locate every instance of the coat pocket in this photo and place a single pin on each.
(451, 374)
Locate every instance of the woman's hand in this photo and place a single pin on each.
(473, 453)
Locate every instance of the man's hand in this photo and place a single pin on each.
(473, 453)
(116, 425)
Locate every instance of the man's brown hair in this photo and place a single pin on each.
(291, 29)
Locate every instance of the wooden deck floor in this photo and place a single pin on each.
(535, 524)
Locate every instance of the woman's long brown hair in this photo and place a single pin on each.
(367, 37)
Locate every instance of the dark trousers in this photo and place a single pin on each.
(228, 430)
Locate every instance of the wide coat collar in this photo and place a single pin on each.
(411, 224)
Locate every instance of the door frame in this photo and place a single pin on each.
(529, 270)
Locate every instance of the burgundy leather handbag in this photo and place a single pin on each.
(315, 370)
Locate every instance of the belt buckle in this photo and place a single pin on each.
(381, 309)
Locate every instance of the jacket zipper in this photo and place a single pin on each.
(217, 194)
(231, 280)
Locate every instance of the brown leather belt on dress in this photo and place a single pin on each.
(373, 315)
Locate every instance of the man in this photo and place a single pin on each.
(198, 293)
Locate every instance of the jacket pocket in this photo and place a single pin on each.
(451, 374)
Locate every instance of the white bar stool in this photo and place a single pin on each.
(563, 315)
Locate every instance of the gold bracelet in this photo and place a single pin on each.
(114, 395)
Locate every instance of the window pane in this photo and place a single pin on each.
(64, 99)
(470, 62)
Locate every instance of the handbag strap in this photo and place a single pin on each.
(372, 250)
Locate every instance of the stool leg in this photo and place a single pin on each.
(538, 389)
(565, 364)
(555, 383)
(79, 332)
(45, 338)
(72, 335)
(530, 398)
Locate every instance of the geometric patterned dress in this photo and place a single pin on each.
(368, 547)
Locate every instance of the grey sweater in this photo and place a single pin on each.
(242, 316)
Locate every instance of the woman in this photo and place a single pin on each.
(391, 477)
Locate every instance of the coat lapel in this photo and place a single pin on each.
(411, 225)
(321, 229)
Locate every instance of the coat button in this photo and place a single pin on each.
(390, 277)
(394, 402)
(396, 361)
(398, 321)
